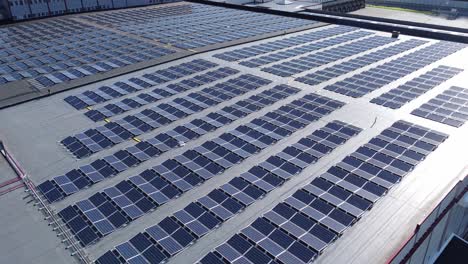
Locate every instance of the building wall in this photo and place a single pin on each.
(4, 11)
(449, 217)
(27, 9)
(424, 4)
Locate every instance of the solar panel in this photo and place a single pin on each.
(134, 125)
(136, 84)
(223, 203)
(412, 89)
(203, 162)
(359, 62)
(299, 228)
(191, 31)
(145, 150)
(450, 107)
(271, 46)
(305, 63)
(379, 76)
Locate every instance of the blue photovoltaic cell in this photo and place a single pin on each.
(186, 226)
(359, 62)
(379, 76)
(65, 50)
(142, 99)
(299, 228)
(397, 97)
(191, 26)
(275, 45)
(105, 93)
(296, 51)
(145, 150)
(310, 61)
(450, 107)
(173, 177)
(94, 140)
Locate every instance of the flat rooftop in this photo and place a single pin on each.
(55, 54)
(337, 140)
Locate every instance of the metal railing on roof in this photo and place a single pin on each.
(50, 215)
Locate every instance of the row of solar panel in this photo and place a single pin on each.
(73, 69)
(21, 37)
(52, 66)
(67, 48)
(87, 175)
(122, 88)
(115, 132)
(225, 34)
(318, 59)
(193, 18)
(136, 16)
(343, 68)
(450, 107)
(55, 67)
(296, 51)
(399, 96)
(182, 173)
(283, 43)
(65, 75)
(21, 10)
(203, 27)
(298, 229)
(142, 99)
(375, 78)
(184, 227)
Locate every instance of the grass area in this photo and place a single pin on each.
(400, 9)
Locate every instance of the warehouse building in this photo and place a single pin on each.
(201, 132)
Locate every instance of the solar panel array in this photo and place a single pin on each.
(318, 59)
(359, 62)
(71, 182)
(283, 43)
(296, 51)
(60, 50)
(379, 76)
(22, 10)
(298, 229)
(115, 132)
(175, 176)
(450, 107)
(196, 26)
(87, 175)
(134, 84)
(170, 236)
(397, 97)
(142, 99)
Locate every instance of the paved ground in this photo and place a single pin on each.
(461, 22)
